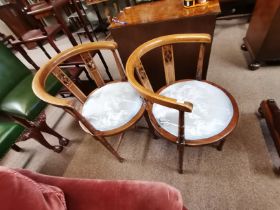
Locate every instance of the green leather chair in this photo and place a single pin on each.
(18, 101)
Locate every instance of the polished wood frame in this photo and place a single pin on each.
(52, 67)
(270, 111)
(134, 67)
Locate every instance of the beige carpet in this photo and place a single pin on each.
(239, 177)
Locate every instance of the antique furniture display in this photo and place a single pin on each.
(17, 186)
(146, 21)
(185, 112)
(35, 33)
(54, 8)
(271, 112)
(18, 101)
(262, 37)
(48, 8)
(12, 16)
(109, 110)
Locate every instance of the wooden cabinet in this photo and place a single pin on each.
(235, 7)
(138, 24)
(263, 36)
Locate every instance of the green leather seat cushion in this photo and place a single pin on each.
(22, 102)
(9, 132)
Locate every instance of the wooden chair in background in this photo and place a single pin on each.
(211, 111)
(109, 110)
(47, 8)
(9, 42)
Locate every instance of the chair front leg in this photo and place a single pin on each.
(43, 126)
(181, 149)
(106, 144)
(37, 135)
(181, 140)
(34, 132)
(221, 144)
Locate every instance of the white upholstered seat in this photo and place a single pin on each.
(112, 106)
(212, 109)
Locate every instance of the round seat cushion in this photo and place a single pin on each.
(211, 114)
(112, 106)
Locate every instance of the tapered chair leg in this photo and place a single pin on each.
(106, 144)
(37, 135)
(221, 144)
(150, 126)
(45, 128)
(181, 148)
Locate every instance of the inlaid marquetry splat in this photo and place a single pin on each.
(69, 84)
(92, 69)
(168, 62)
(141, 73)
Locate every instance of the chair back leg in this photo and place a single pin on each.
(37, 135)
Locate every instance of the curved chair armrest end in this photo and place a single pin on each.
(40, 92)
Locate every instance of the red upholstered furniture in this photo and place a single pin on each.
(23, 189)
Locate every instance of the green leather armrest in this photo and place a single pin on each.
(22, 102)
(9, 133)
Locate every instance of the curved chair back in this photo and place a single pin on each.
(134, 67)
(52, 67)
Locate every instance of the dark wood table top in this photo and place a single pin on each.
(163, 10)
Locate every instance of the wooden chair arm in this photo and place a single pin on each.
(159, 99)
(38, 87)
(39, 11)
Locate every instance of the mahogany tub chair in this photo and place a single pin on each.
(186, 112)
(108, 110)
